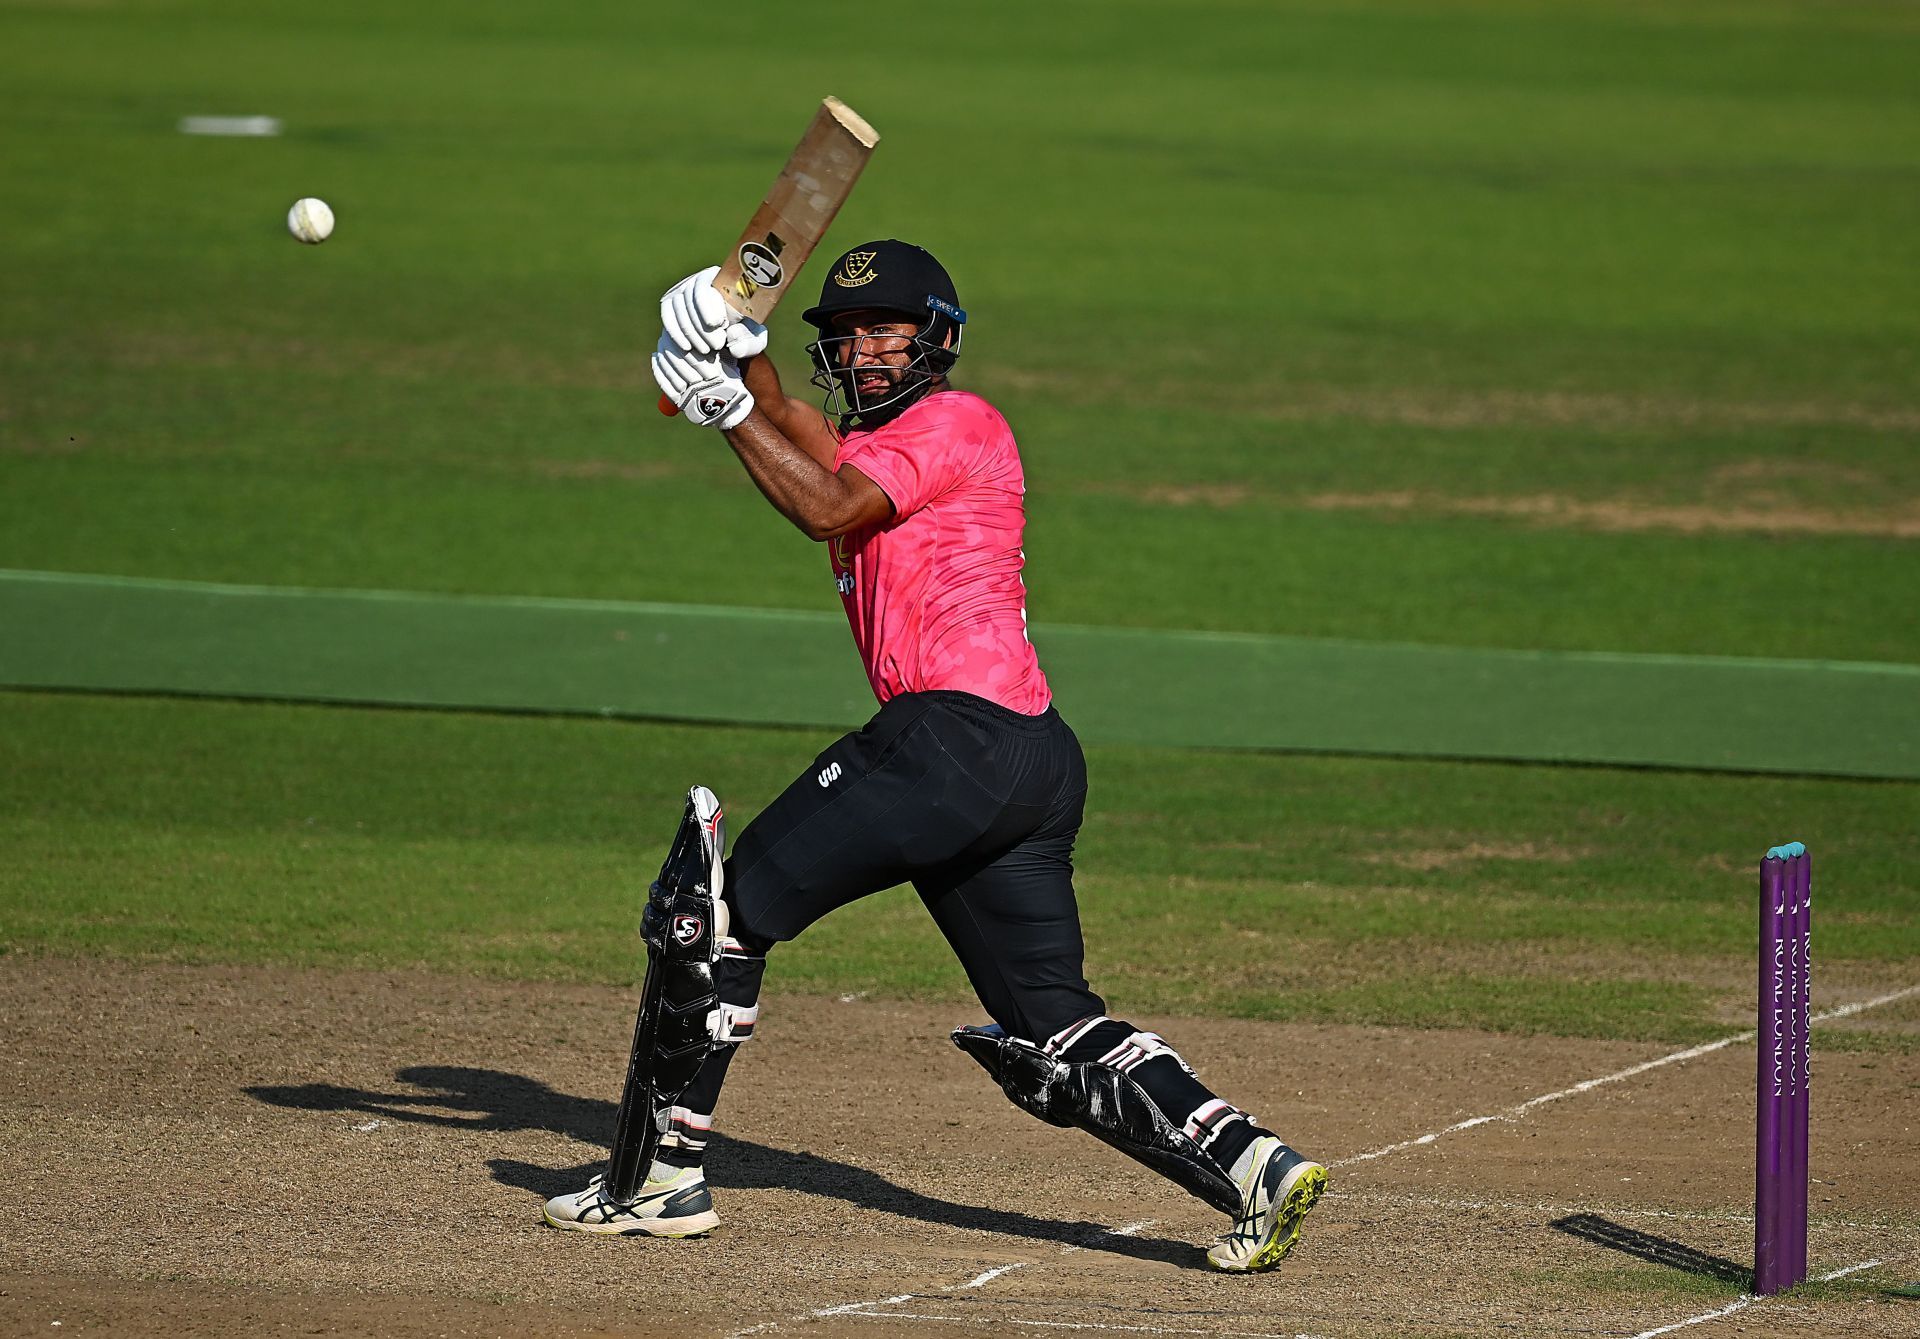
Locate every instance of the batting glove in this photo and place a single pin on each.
(708, 390)
(699, 321)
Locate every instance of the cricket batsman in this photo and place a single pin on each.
(967, 783)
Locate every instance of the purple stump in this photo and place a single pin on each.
(1784, 1070)
(1769, 1086)
(1796, 1225)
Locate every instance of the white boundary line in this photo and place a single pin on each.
(1520, 1112)
(1748, 1299)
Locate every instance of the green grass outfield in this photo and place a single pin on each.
(1280, 297)
(1499, 323)
(708, 663)
(1591, 902)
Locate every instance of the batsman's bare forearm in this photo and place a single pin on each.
(798, 421)
(821, 502)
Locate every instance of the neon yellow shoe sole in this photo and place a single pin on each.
(1262, 1238)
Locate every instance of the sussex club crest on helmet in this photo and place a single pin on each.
(855, 269)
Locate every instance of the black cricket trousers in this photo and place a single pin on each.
(976, 806)
(973, 804)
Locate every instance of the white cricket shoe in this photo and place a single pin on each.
(1280, 1187)
(673, 1203)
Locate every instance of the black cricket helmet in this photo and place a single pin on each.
(887, 276)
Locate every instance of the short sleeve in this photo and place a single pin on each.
(919, 455)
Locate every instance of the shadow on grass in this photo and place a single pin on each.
(1656, 1250)
(489, 1101)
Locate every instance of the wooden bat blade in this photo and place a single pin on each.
(797, 210)
(796, 213)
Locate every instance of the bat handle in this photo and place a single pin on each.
(668, 407)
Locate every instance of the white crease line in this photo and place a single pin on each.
(1127, 1231)
(1691, 1053)
(844, 1309)
(1748, 1299)
(1846, 1010)
(1013, 1322)
(1456, 1203)
(862, 1308)
(854, 1308)
(991, 1275)
(1850, 1269)
(1511, 1113)
(1744, 1300)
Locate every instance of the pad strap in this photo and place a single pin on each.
(733, 1023)
(687, 1130)
(1102, 1099)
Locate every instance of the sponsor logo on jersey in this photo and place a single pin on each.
(842, 564)
(856, 270)
(829, 774)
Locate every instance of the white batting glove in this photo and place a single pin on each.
(746, 338)
(708, 390)
(699, 321)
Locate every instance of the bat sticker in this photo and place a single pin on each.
(760, 265)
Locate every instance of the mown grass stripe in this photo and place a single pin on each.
(1130, 686)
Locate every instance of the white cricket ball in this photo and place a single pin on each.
(310, 221)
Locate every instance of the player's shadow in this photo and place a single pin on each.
(1657, 1250)
(487, 1100)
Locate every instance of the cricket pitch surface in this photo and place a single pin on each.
(219, 1150)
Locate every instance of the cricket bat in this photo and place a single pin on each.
(795, 215)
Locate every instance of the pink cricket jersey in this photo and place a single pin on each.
(934, 595)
